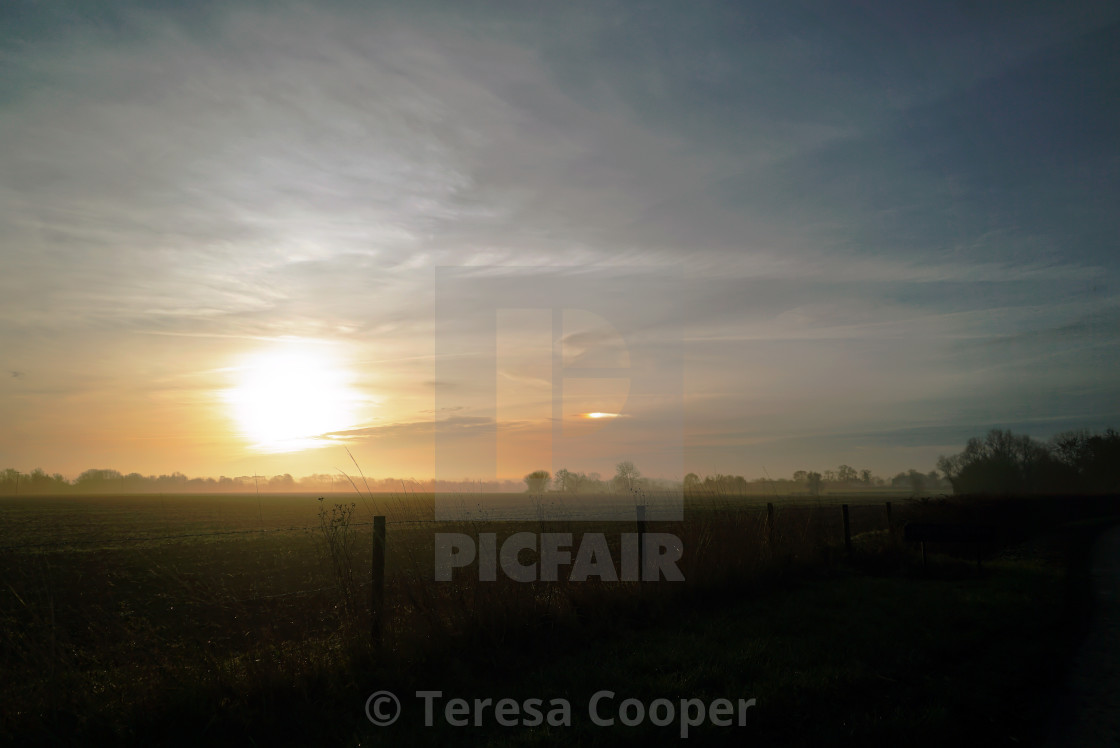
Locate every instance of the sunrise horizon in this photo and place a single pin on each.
(241, 242)
(513, 372)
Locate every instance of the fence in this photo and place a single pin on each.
(842, 516)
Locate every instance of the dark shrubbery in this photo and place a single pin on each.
(1003, 463)
(1094, 457)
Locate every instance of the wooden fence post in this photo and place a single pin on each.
(641, 542)
(770, 526)
(377, 588)
(890, 525)
(847, 532)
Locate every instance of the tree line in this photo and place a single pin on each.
(97, 480)
(1078, 462)
(626, 478)
(629, 478)
(999, 463)
(14, 482)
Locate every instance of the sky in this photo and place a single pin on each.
(241, 238)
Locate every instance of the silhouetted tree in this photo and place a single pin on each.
(1003, 463)
(9, 481)
(568, 482)
(917, 482)
(626, 476)
(537, 481)
(98, 481)
(1093, 458)
(283, 482)
(725, 484)
(813, 483)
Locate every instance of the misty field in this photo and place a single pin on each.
(216, 613)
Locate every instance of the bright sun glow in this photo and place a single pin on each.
(286, 400)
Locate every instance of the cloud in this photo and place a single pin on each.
(877, 193)
(453, 426)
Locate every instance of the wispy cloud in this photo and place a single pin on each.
(862, 207)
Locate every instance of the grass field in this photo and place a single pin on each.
(225, 617)
(842, 659)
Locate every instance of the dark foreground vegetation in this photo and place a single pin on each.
(263, 636)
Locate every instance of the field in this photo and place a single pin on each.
(154, 619)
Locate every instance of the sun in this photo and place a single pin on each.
(288, 399)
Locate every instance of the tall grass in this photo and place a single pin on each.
(339, 541)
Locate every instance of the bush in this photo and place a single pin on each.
(1003, 463)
